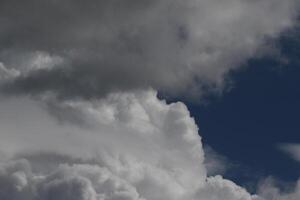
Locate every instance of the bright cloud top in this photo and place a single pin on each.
(138, 147)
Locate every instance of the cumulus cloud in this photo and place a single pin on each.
(87, 49)
(92, 63)
(137, 147)
(92, 182)
(136, 123)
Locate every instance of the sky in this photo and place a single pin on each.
(149, 100)
(250, 122)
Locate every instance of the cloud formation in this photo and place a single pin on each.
(92, 63)
(138, 147)
(86, 49)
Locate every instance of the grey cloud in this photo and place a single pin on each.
(94, 182)
(13, 180)
(76, 182)
(115, 45)
(75, 188)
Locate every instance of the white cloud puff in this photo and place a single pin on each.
(137, 148)
(92, 182)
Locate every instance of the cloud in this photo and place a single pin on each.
(136, 147)
(214, 162)
(83, 49)
(99, 66)
(269, 190)
(272, 189)
(7, 73)
(292, 149)
(91, 182)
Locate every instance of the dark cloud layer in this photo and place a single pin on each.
(113, 45)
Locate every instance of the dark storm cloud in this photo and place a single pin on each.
(113, 45)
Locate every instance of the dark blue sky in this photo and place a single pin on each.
(262, 110)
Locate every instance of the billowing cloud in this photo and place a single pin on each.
(87, 49)
(98, 65)
(136, 147)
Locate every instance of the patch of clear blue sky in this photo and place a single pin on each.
(262, 110)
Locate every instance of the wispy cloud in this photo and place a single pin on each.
(293, 150)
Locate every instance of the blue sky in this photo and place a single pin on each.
(247, 123)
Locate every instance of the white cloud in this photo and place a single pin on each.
(138, 147)
(92, 182)
(135, 147)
